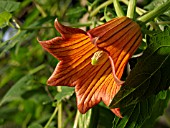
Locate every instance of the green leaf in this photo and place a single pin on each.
(4, 18)
(17, 89)
(65, 93)
(8, 6)
(150, 75)
(143, 114)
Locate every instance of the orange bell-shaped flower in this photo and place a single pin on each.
(111, 44)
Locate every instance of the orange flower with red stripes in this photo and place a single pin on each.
(93, 61)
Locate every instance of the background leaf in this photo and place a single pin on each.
(17, 90)
(8, 6)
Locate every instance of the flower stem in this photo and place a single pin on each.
(154, 13)
(118, 8)
(131, 9)
(95, 11)
(51, 118)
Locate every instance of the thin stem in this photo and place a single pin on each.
(37, 69)
(81, 24)
(59, 105)
(95, 11)
(51, 27)
(163, 22)
(93, 4)
(140, 11)
(51, 118)
(26, 121)
(35, 28)
(154, 13)
(131, 9)
(118, 8)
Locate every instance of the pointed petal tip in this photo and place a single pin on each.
(38, 39)
(82, 109)
(59, 27)
(51, 82)
(117, 112)
(56, 22)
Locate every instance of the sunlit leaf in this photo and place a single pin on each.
(150, 75)
(4, 18)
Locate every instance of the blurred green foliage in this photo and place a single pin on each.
(25, 100)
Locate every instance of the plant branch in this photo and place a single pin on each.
(140, 11)
(154, 13)
(118, 8)
(131, 9)
(95, 11)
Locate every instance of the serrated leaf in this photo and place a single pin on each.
(150, 75)
(8, 6)
(65, 93)
(17, 90)
(4, 18)
(141, 114)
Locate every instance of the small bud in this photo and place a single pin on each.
(98, 58)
